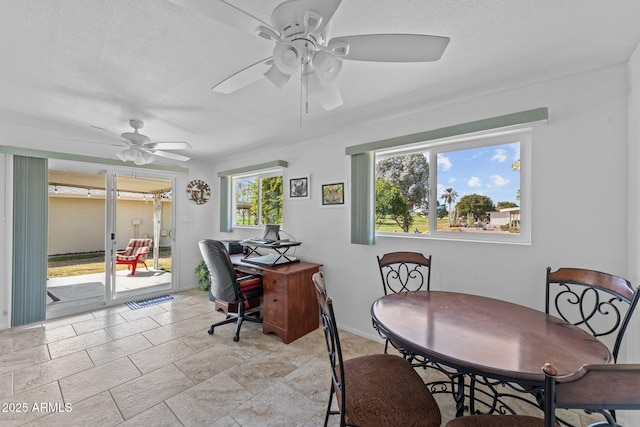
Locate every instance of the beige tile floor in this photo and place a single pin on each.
(158, 367)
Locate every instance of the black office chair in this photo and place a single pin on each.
(403, 272)
(595, 388)
(374, 390)
(237, 296)
(600, 303)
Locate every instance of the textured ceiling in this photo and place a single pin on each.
(68, 65)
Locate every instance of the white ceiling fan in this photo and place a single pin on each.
(300, 30)
(141, 150)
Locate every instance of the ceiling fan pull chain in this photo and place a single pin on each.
(301, 94)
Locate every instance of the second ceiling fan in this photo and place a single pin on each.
(299, 29)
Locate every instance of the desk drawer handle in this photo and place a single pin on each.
(274, 300)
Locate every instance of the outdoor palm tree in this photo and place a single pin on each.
(449, 196)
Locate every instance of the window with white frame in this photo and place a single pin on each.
(469, 187)
(257, 198)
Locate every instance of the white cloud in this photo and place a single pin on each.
(500, 155)
(515, 147)
(452, 180)
(499, 180)
(444, 163)
(474, 182)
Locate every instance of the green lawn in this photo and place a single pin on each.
(78, 264)
(419, 222)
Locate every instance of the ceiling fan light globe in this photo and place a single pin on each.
(130, 154)
(147, 157)
(277, 77)
(327, 65)
(121, 156)
(286, 58)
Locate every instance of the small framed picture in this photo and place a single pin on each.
(299, 188)
(333, 194)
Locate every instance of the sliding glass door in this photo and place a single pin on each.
(140, 234)
(94, 213)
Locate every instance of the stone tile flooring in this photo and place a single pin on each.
(157, 366)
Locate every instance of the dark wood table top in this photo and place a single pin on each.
(485, 336)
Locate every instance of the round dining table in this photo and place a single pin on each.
(483, 336)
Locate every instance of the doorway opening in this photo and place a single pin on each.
(93, 215)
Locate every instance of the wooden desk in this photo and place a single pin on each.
(484, 337)
(290, 307)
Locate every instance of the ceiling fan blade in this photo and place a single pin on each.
(244, 77)
(120, 144)
(168, 145)
(329, 97)
(224, 13)
(393, 47)
(326, 9)
(168, 155)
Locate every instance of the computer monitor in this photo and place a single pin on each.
(272, 232)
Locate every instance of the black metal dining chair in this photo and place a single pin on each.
(373, 390)
(403, 272)
(594, 388)
(600, 303)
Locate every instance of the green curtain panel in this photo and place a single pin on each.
(225, 204)
(30, 206)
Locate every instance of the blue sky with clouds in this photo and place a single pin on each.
(486, 171)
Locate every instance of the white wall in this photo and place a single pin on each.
(630, 351)
(579, 197)
(634, 185)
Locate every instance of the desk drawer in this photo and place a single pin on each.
(274, 300)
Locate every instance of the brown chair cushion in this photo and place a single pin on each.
(496, 421)
(374, 399)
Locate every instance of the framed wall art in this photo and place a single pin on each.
(333, 195)
(299, 188)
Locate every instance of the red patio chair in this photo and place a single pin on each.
(136, 252)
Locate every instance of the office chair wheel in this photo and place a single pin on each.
(210, 331)
(236, 338)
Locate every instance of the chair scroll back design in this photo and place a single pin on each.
(600, 303)
(405, 271)
(594, 388)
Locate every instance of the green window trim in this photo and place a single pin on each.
(522, 117)
(363, 162)
(27, 152)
